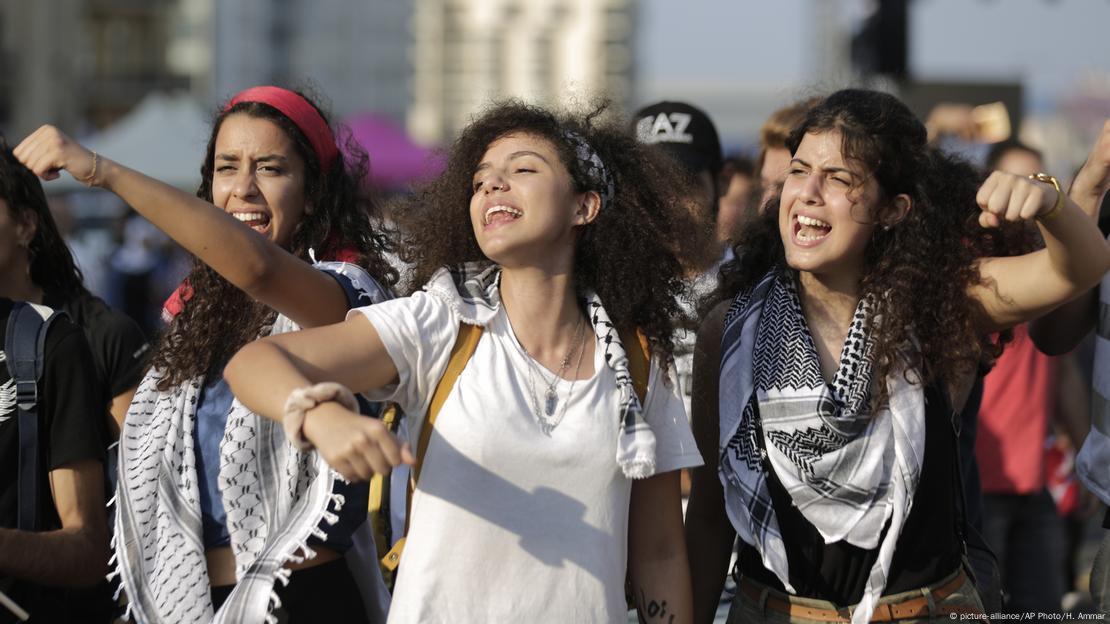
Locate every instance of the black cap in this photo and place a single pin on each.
(684, 131)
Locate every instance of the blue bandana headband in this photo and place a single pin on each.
(591, 163)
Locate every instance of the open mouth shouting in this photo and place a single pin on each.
(809, 231)
(500, 214)
(256, 220)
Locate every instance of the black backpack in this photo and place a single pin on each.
(25, 346)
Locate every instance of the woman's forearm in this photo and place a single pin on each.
(657, 551)
(709, 541)
(662, 591)
(231, 248)
(262, 376)
(263, 373)
(1076, 249)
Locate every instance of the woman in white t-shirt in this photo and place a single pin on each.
(544, 477)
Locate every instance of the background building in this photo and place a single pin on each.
(81, 63)
(466, 52)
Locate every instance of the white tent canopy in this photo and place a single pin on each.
(163, 137)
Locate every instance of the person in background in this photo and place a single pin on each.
(1061, 330)
(120, 350)
(685, 133)
(1016, 414)
(735, 204)
(774, 157)
(133, 268)
(45, 273)
(49, 567)
(688, 136)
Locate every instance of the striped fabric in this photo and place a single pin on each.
(1093, 462)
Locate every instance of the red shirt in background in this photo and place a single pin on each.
(1019, 401)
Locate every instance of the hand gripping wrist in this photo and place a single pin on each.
(303, 399)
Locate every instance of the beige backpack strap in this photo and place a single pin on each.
(460, 355)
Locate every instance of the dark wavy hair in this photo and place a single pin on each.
(632, 255)
(52, 266)
(917, 270)
(220, 318)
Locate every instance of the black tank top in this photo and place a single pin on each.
(927, 551)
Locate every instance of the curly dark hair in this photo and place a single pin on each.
(204, 336)
(917, 270)
(632, 255)
(52, 266)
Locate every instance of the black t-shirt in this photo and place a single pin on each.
(119, 349)
(927, 550)
(71, 428)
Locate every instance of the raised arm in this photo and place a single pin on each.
(709, 535)
(1061, 330)
(264, 373)
(242, 256)
(1021, 288)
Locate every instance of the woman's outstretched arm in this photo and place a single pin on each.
(242, 256)
(264, 373)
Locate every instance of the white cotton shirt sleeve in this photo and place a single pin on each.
(665, 413)
(418, 332)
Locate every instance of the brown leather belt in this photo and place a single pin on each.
(916, 607)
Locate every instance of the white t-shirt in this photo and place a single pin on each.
(509, 524)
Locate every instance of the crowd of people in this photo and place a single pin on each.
(594, 366)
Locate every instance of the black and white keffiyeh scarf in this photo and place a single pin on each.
(472, 290)
(275, 497)
(847, 470)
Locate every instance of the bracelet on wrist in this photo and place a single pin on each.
(302, 400)
(91, 178)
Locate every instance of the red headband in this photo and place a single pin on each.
(300, 112)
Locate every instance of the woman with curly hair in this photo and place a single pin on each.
(544, 479)
(829, 375)
(214, 503)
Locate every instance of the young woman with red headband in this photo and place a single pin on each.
(214, 503)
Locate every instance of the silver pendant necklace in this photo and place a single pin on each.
(550, 416)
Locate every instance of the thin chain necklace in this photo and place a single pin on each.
(550, 416)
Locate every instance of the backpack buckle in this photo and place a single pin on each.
(26, 395)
